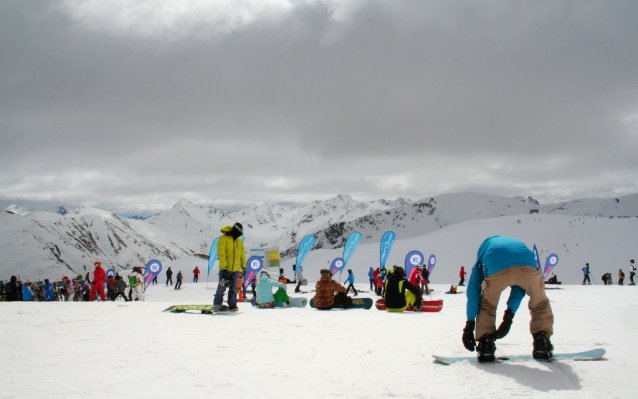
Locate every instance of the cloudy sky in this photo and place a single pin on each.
(130, 106)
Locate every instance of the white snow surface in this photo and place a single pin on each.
(134, 350)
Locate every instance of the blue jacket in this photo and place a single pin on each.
(48, 291)
(27, 295)
(350, 279)
(371, 274)
(495, 254)
(264, 289)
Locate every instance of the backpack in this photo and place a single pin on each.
(132, 281)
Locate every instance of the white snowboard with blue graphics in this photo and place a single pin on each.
(593, 354)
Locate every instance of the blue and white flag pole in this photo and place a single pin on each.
(386, 247)
(550, 264)
(412, 260)
(212, 257)
(538, 259)
(337, 265)
(304, 248)
(431, 263)
(153, 268)
(254, 264)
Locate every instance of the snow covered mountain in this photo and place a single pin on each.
(45, 243)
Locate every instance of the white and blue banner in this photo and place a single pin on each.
(386, 247)
(254, 264)
(153, 268)
(110, 273)
(431, 263)
(337, 265)
(212, 257)
(412, 260)
(538, 259)
(550, 264)
(351, 245)
(304, 248)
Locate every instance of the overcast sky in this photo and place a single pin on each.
(130, 106)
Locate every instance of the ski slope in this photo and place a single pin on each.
(97, 350)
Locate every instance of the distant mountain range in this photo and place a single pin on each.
(41, 244)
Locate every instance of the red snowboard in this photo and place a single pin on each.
(428, 306)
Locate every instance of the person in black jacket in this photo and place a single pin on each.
(425, 274)
(400, 293)
(169, 276)
(12, 289)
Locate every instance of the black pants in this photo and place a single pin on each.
(462, 281)
(298, 287)
(631, 277)
(169, 279)
(118, 294)
(154, 280)
(178, 284)
(372, 284)
(342, 298)
(586, 279)
(353, 289)
(196, 278)
(620, 281)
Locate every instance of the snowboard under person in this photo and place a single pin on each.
(586, 274)
(350, 281)
(265, 297)
(325, 298)
(504, 262)
(232, 263)
(399, 293)
(632, 272)
(462, 274)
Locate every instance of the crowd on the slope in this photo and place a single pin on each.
(607, 277)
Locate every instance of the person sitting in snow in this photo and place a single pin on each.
(325, 298)
(504, 262)
(399, 293)
(265, 297)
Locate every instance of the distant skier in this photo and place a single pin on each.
(462, 274)
(504, 262)
(632, 272)
(98, 282)
(371, 278)
(400, 293)
(169, 276)
(120, 288)
(48, 290)
(299, 277)
(621, 277)
(350, 281)
(178, 280)
(586, 274)
(196, 274)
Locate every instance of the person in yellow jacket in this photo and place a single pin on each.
(232, 263)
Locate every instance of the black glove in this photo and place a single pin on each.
(417, 306)
(468, 336)
(504, 328)
(224, 278)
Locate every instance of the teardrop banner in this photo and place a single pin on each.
(538, 259)
(431, 263)
(212, 257)
(386, 247)
(153, 268)
(412, 260)
(254, 264)
(337, 265)
(304, 248)
(550, 264)
(351, 245)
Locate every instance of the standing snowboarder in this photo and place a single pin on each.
(232, 262)
(169, 276)
(462, 274)
(504, 262)
(371, 277)
(621, 277)
(195, 274)
(632, 272)
(350, 281)
(586, 274)
(299, 277)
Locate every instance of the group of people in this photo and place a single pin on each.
(607, 277)
(419, 277)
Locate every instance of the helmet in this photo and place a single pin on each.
(97, 263)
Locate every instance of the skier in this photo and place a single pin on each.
(505, 262)
(425, 280)
(371, 278)
(48, 290)
(265, 297)
(632, 272)
(178, 280)
(135, 282)
(195, 274)
(232, 262)
(350, 281)
(12, 289)
(120, 288)
(98, 282)
(462, 274)
(621, 277)
(299, 277)
(325, 298)
(586, 274)
(400, 293)
(169, 276)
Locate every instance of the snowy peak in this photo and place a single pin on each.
(394, 203)
(18, 210)
(529, 200)
(90, 211)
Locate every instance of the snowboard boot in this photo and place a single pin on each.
(220, 308)
(233, 308)
(542, 346)
(486, 348)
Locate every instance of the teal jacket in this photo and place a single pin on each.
(495, 254)
(264, 289)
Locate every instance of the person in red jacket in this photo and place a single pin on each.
(98, 282)
(195, 274)
(462, 274)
